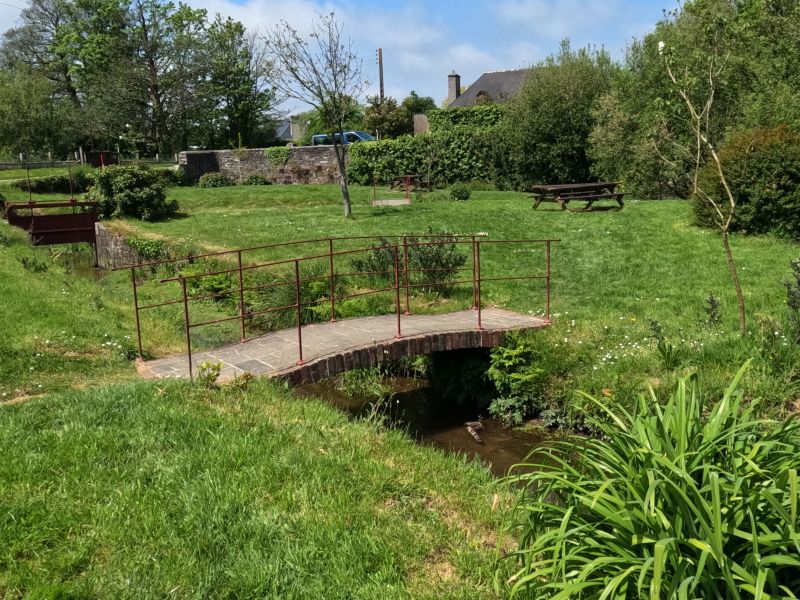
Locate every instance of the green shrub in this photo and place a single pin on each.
(147, 249)
(172, 177)
(680, 500)
(763, 171)
(78, 182)
(518, 381)
(131, 191)
(460, 192)
(276, 288)
(214, 180)
(433, 262)
(256, 180)
(277, 156)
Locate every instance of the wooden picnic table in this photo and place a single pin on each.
(589, 193)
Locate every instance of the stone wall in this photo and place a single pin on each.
(112, 249)
(306, 164)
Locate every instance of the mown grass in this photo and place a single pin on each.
(167, 490)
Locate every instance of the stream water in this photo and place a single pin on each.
(412, 407)
(81, 262)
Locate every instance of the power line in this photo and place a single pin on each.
(12, 5)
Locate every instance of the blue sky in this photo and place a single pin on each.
(423, 41)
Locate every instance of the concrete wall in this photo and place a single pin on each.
(306, 164)
(112, 249)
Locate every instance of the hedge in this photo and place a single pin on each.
(483, 116)
(464, 154)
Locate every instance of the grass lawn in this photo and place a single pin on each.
(154, 491)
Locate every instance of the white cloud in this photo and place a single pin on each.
(556, 19)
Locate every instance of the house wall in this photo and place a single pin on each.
(306, 164)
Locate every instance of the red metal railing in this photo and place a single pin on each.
(400, 276)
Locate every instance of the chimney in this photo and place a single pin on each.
(453, 86)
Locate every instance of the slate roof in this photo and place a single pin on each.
(499, 86)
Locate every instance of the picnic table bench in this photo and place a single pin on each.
(589, 193)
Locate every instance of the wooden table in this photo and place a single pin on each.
(583, 192)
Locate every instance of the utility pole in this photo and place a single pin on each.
(380, 71)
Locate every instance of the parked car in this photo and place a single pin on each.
(350, 137)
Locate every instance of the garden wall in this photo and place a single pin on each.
(305, 164)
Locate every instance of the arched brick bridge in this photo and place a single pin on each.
(332, 348)
(309, 352)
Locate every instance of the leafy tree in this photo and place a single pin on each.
(414, 104)
(551, 117)
(32, 120)
(36, 45)
(758, 88)
(239, 85)
(324, 73)
(385, 117)
(390, 119)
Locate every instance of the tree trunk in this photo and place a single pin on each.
(735, 277)
(340, 150)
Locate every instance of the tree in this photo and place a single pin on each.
(384, 117)
(315, 122)
(703, 149)
(390, 119)
(549, 121)
(31, 119)
(324, 73)
(35, 45)
(414, 104)
(238, 84)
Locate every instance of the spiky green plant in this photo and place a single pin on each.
(678, 500)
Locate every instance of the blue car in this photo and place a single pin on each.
(350, 137)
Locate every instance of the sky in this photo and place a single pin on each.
(423, 41)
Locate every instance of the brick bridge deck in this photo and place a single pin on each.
(332, 348)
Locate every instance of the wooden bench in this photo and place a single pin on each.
(589, 193)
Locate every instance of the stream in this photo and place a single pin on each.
(412, 408)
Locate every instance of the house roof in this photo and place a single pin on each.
(283, 129)
(498, 86)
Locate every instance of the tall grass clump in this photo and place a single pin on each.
(680, 500)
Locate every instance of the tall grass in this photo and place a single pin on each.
(679, 500)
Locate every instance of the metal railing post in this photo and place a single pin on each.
(241, 294)
(299, 311)
(547, 280)
(406, 274)
(136, 311)
(333, 293)
(187, 326)
(474, 277)
(397, 290)
(478, 282)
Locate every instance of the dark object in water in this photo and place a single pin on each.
(473, 427)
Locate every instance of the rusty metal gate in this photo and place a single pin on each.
(48, 223)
